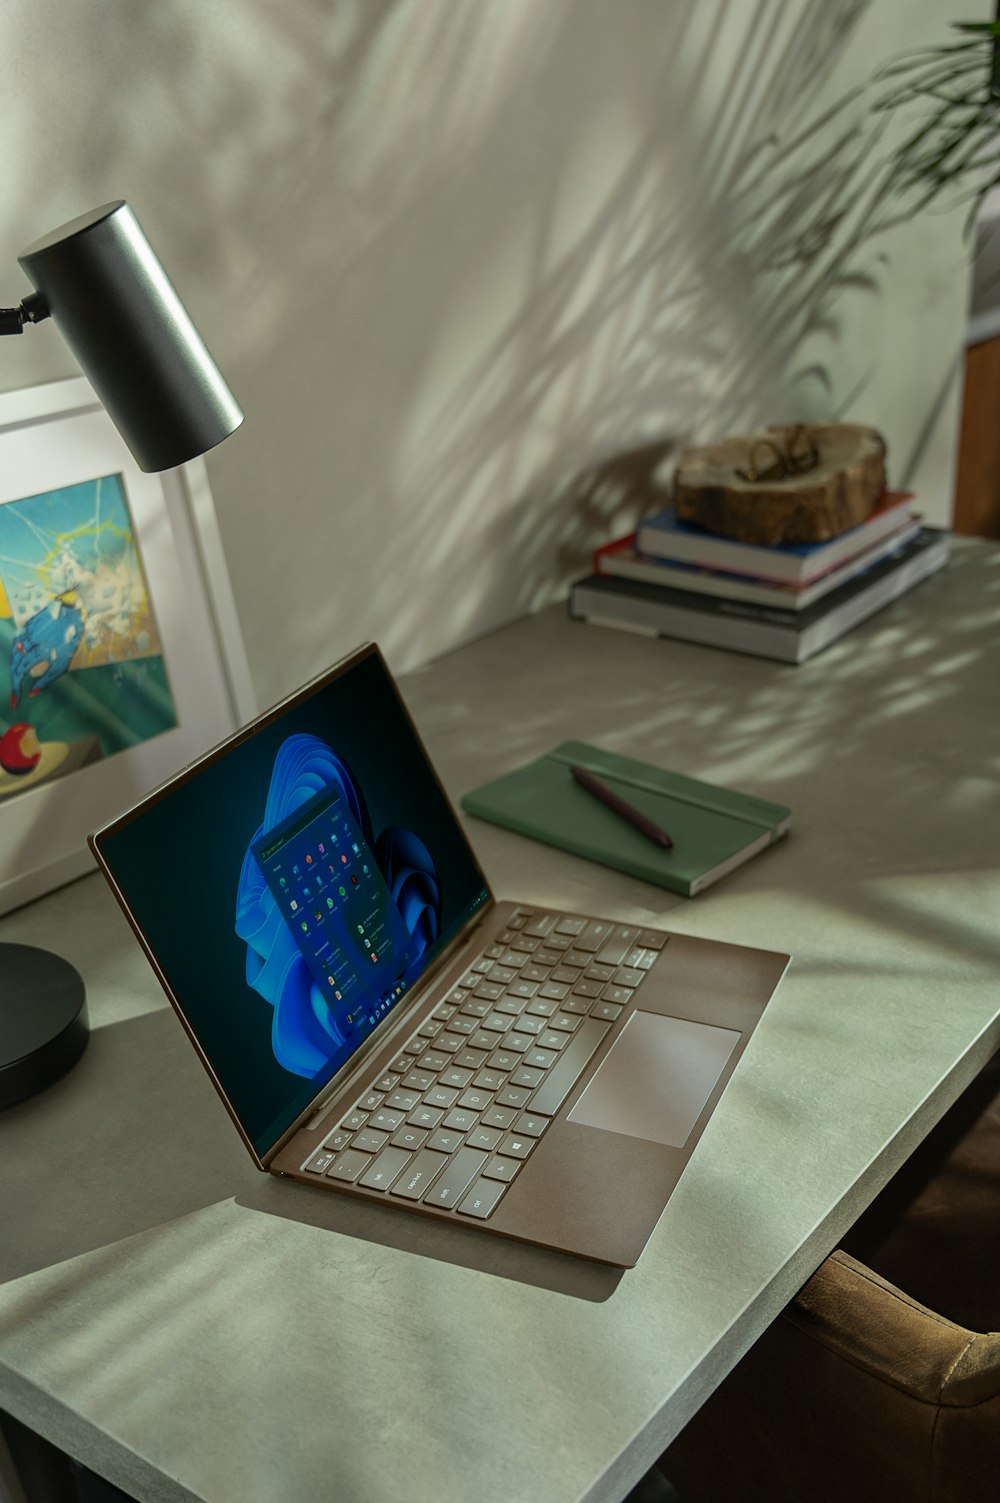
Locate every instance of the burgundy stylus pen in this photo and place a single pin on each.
(601, 790)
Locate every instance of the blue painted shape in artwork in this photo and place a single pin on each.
(43, 649)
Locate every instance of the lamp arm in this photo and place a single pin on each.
(31, 311)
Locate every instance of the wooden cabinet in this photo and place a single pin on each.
(977, 486)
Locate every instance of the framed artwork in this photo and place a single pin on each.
(120, 651)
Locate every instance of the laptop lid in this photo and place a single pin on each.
(293, 887)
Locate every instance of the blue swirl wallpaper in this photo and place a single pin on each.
(294, 888)
(306, 1035)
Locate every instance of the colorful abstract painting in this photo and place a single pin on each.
(82, 673)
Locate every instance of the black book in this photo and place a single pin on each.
(766, 631)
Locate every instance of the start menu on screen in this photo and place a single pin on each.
(335, 901)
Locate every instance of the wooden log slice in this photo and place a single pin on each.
(838, 492)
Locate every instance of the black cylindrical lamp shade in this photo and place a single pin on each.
(118, 312)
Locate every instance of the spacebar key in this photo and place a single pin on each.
(564, 1074)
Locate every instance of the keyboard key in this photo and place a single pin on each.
(593, 936)
(475, 1099)
(530, 1025)
(542, 1007)
(489, 1137)
(510, 1006)
(614, 993)
(540, 925)
(499, 1168)
(586, 988)
(498, 1116)
(503, 1059)
(524, 946)
(552, 1038)
(516, 1146)
(513, 1096)
(482, 1198)
(367, 1141)
(540, 1058)
(531, 1126)
(449, 1043)
(624, 976)
(468, 1059)
(607, 1010)
(418, 1080)
(354, 1120)
(640, 960)
(567, 973)
(652, 939)
(338, 1140)
(566, 1071)
(404, 1100)
(386, 1120)
(517, 1043)
(527, 1075)
(348, 1166)
(613, 952)
(533, 972)
(598, 972)
(474, 1009)
(440, 1095)
(489, 990)
(554, 989)
(386, 1082)
(443, 1012)
(371, 1101)
(577, 1005)
(414, 1183)
(570, 925)
(462, 1169)
(483, 1040)
(501, 974)
(565, 1022)
(459, 1119)
(425, 1116)
(495, 1023)
(385, 1169)
(444, 1140)
(433, 1062)
(320, 1162)
(490, 1080)
(455, 1077)
(409, 1137)
(462, 1025)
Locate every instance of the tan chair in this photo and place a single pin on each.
(859, 1392)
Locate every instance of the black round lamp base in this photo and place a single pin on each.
(43, 1020)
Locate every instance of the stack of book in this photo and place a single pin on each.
(673, 579)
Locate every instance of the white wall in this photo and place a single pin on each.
(449, 252)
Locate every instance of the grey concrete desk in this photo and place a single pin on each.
(192, 1329)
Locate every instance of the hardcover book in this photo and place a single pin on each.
(666, 537)
(787, 636)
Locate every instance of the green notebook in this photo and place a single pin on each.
(713, 829)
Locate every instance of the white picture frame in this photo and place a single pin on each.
(56, 440)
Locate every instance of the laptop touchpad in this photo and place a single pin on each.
(657, 1078)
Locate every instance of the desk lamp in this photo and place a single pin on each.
(99, 279)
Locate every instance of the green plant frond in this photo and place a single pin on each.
(991, 28)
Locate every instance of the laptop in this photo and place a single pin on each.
(378, 1025)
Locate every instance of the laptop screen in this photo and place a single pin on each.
(294, 885)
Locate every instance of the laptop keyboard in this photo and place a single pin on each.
(470, 1094)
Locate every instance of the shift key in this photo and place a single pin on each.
(566, 1071)
(449, 1187)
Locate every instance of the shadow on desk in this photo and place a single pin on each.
(135, 1137)
(463, 1246)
